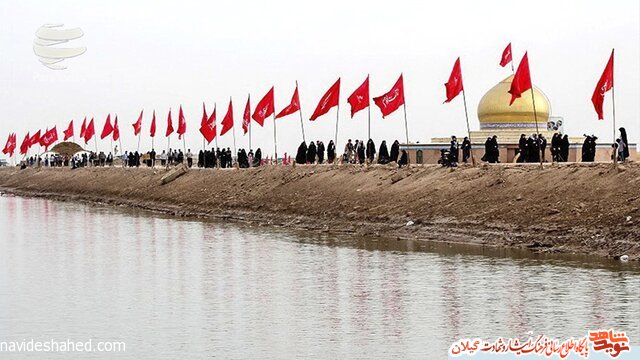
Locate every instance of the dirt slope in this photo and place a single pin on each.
(581, 208)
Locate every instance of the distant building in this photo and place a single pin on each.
(496, 117)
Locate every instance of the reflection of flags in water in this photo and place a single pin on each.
(604, 84)
(392, 100)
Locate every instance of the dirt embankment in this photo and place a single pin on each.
(579, 208)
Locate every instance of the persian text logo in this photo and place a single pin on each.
(606, 341)
(50, 35)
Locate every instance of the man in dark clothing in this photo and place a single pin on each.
(466, 149)
(395, 151)
(301, 155)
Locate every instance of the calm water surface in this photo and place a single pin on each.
(178, 289)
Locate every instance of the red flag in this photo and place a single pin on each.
(227, 122)
(107, 129)
(11, 148)
(292, 107)
(246, 119)
(152, 130)
(392, 100)
(454, 85)
(89, 132)
(69, 132)
(7, 145)
(359, 100)
(182, 124)
(604, 84)
(521, 80)
(506, 56)
(203, 122)
(26, 144)
(208, 128)
(35, 139)
(330, 99)
(169, 125)
(265, 108)
(137, 126)
(49, 137)
(83, 128)
(116, 130)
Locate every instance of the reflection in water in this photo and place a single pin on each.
(183, 289)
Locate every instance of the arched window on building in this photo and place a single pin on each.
(419, 157)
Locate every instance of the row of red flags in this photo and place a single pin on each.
(358, 100)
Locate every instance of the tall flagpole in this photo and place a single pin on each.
(216, 127)
(613, 101)
(233, 130)
(300, 111)
(369, 121)
(153, 164)
(275, 142)
(249, 100)
(466, 114)
(406, 127)
(535, 116)
(512, 69)
(337, 117)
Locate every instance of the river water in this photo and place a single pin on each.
(176, 289)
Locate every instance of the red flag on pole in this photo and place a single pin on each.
(26, 144)
(208, 128)
(182, 124)
(521, 80)
(137, 126)
(203, 122)
(69, 132)
(392, 100)
(49, 137)
(227, 122)
(330, 99)
(454, 85)
(359, 100)
(169, 125)
(604, 84)
(265, 108)
(116, 130)
(506, 56)
(246, 119)
(7, 145)
(35, 139)
(152, 129)
(107, 129)
(292, 107)
(83, 128)
(89, 132)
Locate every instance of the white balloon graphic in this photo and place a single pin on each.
(49, 35)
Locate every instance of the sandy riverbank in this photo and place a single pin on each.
(576, 208)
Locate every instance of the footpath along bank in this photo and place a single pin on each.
(574, 208)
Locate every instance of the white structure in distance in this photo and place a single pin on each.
(50, 35)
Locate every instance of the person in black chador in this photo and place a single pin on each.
(625, 141)
(404, 159)
(589, 148)
(370, 151)
(200, 159)
(395, 151)
(564, 148)
(320, 151)
(383, 154)
(487, 151)
(522, 148)
(466, 149)
(454, 153)
(361, 152)
(542, 142)
(555, 147)
(257, 159)
(229, 158)
(301, 156)
(311, 153)
(532, 153)
(331, 152)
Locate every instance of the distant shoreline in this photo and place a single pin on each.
(588, 209)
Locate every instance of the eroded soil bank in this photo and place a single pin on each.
(574, 208)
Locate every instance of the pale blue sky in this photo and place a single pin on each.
(160, 54)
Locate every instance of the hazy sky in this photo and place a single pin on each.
(156, 55)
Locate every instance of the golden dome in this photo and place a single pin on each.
(494, 110)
